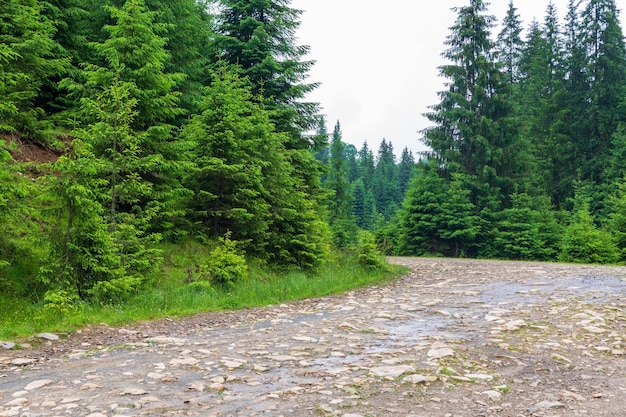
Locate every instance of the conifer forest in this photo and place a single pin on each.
(164, 122)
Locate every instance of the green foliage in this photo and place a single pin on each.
(617, 219)
(27, 58)
(260, 37)
(583, 242)
(226, 266)
(528, 231)
(59, 302)
(475, 133)
(368, 255)
(174, 296)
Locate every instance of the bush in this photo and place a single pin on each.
(584, 243)
(225, 266)
(368, 255)
(60, 302)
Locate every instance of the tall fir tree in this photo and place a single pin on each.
(542, 96)
(339, 207)
(260, 37)
(233, 147)
(475, 133)
(510, 44)
(385, 184)
(367, 165)
(606, 70)
(29, 55)
(135, 54)
(405, 170)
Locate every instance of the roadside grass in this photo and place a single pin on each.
(169, 294)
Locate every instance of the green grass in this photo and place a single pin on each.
(167, 294)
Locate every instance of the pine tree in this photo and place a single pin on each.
(323, 155)
(260, 37)
(243, 180)
(419, 227)
(339, 207)
(135, 55)
(405, 170)
(475, 133)
(351, 155)
(234, 146)
(385, 183)
(510, 43)
(606, 70)
(527, 230)
(366, 166)
(28, 56)
(458, 220)
(617, 218)
(363, 206)
(542, 93)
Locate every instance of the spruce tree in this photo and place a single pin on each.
(233, 148)
(510, 44)
(260, 37)
(385, 183)
(134, 54)
(339, 206)
(366, 166)
(28, 56)
(542, 97)
(405, 170)
(475, 132)
(243, 180)
(419, 217)
(606, 71)
(458, 220)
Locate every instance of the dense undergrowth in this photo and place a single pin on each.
(180, 288)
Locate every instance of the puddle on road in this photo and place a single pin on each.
(596, 287)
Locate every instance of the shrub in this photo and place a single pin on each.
(225, 266)
(583, 242)
(368, 255)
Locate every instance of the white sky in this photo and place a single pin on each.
(378, 62)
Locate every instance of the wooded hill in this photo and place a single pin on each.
(189, 119)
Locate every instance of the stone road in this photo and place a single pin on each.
(455, 338)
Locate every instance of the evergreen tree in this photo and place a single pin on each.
(583, 242)
(617, 218)
(458, 221)
(363, 206)
(385, 183)
(475, 133)
(366, 166)
(323, 154)
(542, 95)
(606, 71)
(234, 146)
(405, 170)
(526, 232)
(573, 123)
(102, 252)
(260, 37)
(351, 157)
(419, 227)
(135, 55)
(510, 44)
(244, 183)
(28, 56)
(340, 218)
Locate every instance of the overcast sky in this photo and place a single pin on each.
(378, 65)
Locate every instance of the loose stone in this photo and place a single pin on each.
(48, 336)
(38, 384)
